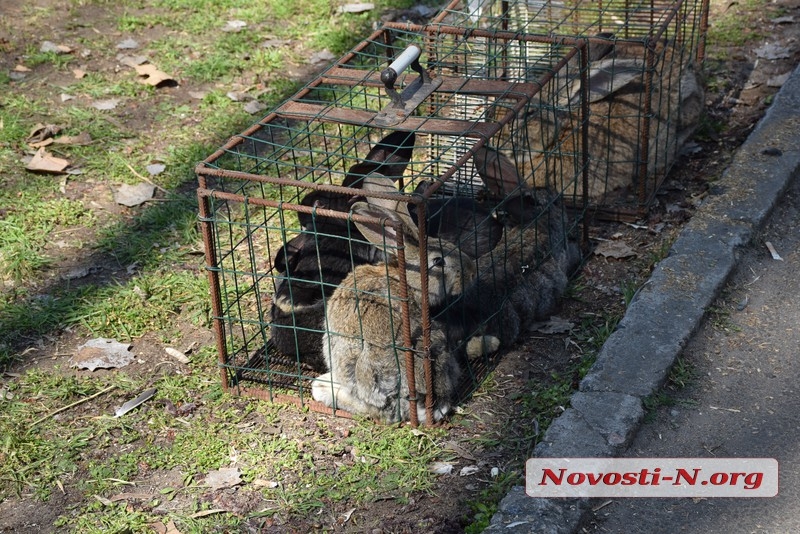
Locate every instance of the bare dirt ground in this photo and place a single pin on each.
(741, 85)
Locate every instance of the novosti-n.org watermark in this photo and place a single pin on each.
(651, 477)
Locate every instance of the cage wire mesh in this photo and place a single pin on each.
(325, 229)
(645, 91)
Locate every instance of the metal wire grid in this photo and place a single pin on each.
(252, 191)
(664, 39)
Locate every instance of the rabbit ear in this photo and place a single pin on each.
(392, 154)
(611, 75)
(381, 184)
(379, 232)
(499, 174)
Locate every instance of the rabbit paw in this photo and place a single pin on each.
(482, 345)
(324, 390)
(439, 413)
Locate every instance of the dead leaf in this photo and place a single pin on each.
(128, 44)
(103, 500)
(102, 353)
(79, 73)
(772, 251)
(178, 355)
(132, 404)
(43, 161)
(106, 105)
(254, 106)
(153, 76)
(155, 168)
(234, 26)
(356, 8)
(442, 468)
(614, 249)
(772, 51)
(259, 483)
(161, 528)
(459, 450)
(468, 470)
(227, 477)
(133, 195)
(49, 46)
(323, 56)
(131, 61)
(205, 513)
(21, 68)
(82, 138)
(65, 97)
(556, 325)
(41, 132)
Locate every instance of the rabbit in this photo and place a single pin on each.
(316, 260)
(616, 99)
(367, 373)
(511, 290)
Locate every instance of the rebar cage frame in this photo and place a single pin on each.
(669, 38)
(251, 189)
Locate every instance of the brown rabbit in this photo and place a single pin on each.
(363, 324)
(616, 94)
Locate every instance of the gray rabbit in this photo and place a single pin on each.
(363, 338)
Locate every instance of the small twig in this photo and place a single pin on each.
(64, 408)
(148, 180)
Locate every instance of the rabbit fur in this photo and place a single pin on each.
(616, 97)
(363, 325)
(315, 261)
(523, 277)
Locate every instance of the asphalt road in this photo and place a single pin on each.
(743, 399)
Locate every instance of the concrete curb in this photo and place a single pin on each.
(606, 412)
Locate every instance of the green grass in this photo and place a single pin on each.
(152, 283)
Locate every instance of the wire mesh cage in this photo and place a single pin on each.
(645, 92)
(369, 245)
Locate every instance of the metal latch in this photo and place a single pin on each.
(403, 104)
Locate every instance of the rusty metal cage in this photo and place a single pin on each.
(645, 89)
(285, 207)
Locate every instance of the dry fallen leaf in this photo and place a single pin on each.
(226, 477)
(153, 76)
(556, 325)
(614, 249)
(105, 105)
(254, 106)
(131, 61)
(234, 26)
(43, 161)
(102, 353)
(128, 44)
(41, 132)
(21, 68)
(79, 73)
(82, 138)
(133, 195)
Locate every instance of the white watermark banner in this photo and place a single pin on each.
(651, 477)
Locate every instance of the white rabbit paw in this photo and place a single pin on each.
(482, 345)
(324, 390)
